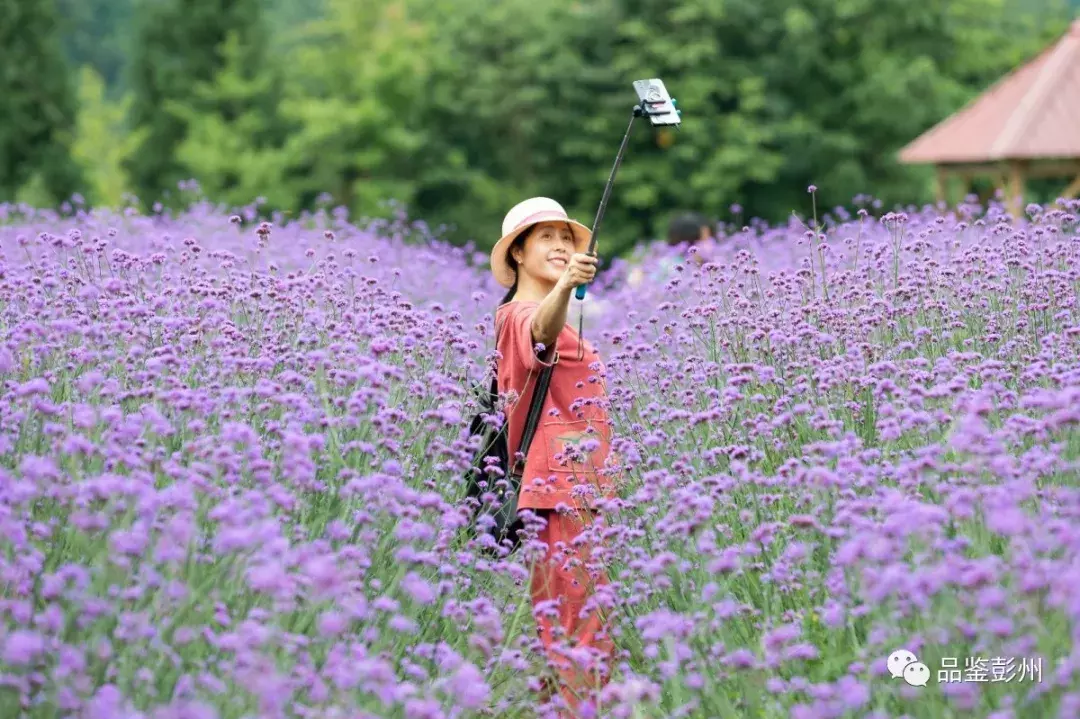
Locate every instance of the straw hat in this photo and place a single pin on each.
(523, 215)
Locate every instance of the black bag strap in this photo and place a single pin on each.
(535, 407)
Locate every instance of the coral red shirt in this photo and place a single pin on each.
(571, 446)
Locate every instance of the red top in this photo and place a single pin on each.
(574, 415)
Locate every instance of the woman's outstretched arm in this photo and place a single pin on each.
(550, 316)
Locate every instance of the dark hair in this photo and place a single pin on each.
(518, 241)
(686, 228)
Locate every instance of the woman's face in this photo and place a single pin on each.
(546, 252)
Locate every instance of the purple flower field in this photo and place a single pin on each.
(232, 460)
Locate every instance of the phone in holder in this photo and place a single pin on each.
(656, 103)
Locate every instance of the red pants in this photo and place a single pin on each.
(561, 586)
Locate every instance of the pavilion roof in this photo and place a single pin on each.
(1031, 113)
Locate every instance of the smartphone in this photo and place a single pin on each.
(656, 102)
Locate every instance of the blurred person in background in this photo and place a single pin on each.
(688, 229)
(542, 259)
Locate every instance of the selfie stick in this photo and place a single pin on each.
(638, 112)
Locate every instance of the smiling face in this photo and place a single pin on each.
(546, 252)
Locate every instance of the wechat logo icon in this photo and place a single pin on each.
(905, 665)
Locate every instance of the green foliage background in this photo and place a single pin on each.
(37, 107)
(460, 109)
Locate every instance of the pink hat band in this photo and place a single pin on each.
(542, 216)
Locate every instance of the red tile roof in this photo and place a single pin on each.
(1033, 112)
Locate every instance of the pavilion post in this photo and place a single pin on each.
(1015, 187)
(1072, 190)
(940, 179)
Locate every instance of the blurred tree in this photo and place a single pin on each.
(102, 143)
(97, 33)
(37, 108)
(1027, 26)
(816, 93)
(355, 94)
(512, 109)
(234, 131)
(533, 98)
(285, 18)
(180, 47)
(459, 110)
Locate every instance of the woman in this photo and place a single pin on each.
(542, 259)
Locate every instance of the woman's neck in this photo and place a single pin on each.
(529, 290)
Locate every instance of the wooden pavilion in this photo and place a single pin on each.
(1027, 125)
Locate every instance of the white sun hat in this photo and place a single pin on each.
(523, 215)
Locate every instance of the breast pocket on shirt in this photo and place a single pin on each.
(580, 445)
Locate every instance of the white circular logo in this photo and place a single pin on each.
(917, 674)
(898, 660)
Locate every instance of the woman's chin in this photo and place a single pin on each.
(552, 274)
(548, 275)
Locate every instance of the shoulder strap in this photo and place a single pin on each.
(535, 408)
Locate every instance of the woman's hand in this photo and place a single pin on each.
(580, 270)
(550, 317)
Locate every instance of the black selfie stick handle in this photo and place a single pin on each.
(638, 112)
